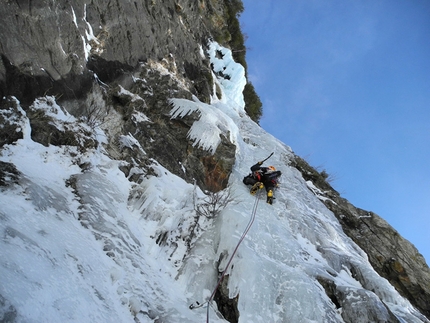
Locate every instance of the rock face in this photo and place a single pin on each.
(117, 65)
(54, 47)
(86, 54)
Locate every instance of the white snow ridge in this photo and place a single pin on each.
(85, 244)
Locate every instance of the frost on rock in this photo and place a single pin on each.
(205, 132)
(129, 141)
(90, 42)
(230, 75)
(50, 107)
(318, 193)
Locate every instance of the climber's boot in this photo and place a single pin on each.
(269, 197)
(256, 187)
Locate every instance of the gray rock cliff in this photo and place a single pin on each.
(80, 51)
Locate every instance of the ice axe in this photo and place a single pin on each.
(261, 162)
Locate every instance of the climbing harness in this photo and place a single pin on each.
(251, 221)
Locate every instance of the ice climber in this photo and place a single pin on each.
(263, 177)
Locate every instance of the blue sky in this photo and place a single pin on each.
(346, 84)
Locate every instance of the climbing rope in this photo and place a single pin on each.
(251, 221)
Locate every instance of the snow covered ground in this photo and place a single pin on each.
(81, 243)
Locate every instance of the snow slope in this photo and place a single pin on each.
(81, 243)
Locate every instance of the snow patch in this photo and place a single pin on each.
(129, 141)
(318, 193)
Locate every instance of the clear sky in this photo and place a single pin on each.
(346, 84)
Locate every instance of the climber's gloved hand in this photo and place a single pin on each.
(260, 163)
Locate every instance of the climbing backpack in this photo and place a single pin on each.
(272, 175)
(249, 180)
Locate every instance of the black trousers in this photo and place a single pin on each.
(268, 184)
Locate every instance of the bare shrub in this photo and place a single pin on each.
(96, 109)
(213, 203)
(209, 207)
